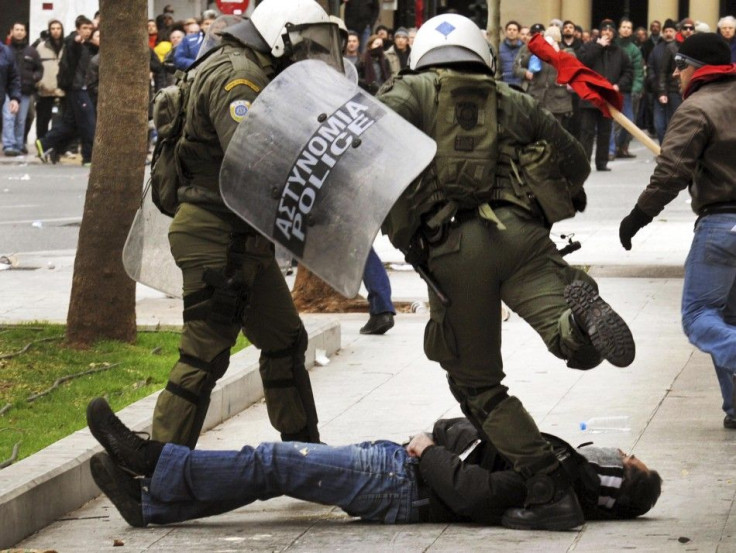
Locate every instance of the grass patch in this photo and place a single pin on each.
(124, 373)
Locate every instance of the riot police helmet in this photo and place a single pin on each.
(450, 39)
(298, 29)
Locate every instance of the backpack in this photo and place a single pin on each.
(169, 113)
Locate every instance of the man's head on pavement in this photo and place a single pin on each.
(627, 487)
(699, 50)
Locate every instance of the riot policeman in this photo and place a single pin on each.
(231, 279)
(478, 221)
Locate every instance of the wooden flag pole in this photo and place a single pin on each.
(635, 131)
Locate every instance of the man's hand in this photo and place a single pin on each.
(419, 443)
(631, 224)
(604, 41)
(13, 106)
(663, 99)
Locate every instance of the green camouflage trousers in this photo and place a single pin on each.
(264, 311)
(478, 266)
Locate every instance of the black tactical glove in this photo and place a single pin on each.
(580, 200)
(631, 224)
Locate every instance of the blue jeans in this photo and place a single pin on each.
(371, 480)
(663, 113)
(709, 297)
(14, 125)
(378, 285)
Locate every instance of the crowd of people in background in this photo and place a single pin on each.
(54, 79)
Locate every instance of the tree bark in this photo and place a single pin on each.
(102, 304)
(311, 294)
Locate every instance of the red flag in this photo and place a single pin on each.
(588, 84)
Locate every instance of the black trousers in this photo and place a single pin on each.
(594, 126)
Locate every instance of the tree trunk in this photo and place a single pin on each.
(102, 304)
(313, 295)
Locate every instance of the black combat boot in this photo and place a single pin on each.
(551, 504)
(131, 452)
(608, 332)
(122, 489)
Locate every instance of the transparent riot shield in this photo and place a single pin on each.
(213, 37)
(317, 164)
(146, 256)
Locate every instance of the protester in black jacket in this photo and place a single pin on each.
(28, 64)
(79, 117)
(448, 476)
(603, 56)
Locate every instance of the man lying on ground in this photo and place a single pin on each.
(450, 475)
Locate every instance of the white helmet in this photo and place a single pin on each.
(450, 38)
(285, 24)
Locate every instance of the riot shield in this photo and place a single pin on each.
(351, 72)
(213, 37)
(146, 255)
(317, 164)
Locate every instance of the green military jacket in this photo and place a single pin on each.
(519, 121)
(223, 89)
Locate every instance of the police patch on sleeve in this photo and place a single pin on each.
(239, 109)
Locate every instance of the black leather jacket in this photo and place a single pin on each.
(483, 486)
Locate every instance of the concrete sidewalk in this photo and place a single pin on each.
(384, 387)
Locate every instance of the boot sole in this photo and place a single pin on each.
(608, 332)
(555, 524)
(109, 478)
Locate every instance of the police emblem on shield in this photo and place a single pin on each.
(317, 164)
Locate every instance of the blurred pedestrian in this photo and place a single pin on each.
(30, 69)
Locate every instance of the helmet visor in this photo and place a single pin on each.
(316, 41)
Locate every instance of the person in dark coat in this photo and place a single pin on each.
(605, 57)
(450, 475)
(30, 69)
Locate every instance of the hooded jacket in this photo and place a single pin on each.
(50, 58)
(483, 486)
(699, 145)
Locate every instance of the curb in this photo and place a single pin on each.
(43, 487)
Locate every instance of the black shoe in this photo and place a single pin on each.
(563, 514)
(11, 152)
(624, 154)
(602, 168)
(122, 489)
(125, 447)
(24, 150)
(608, 332)
(378, 324)
(729, 422)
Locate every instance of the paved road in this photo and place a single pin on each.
(384, 387)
